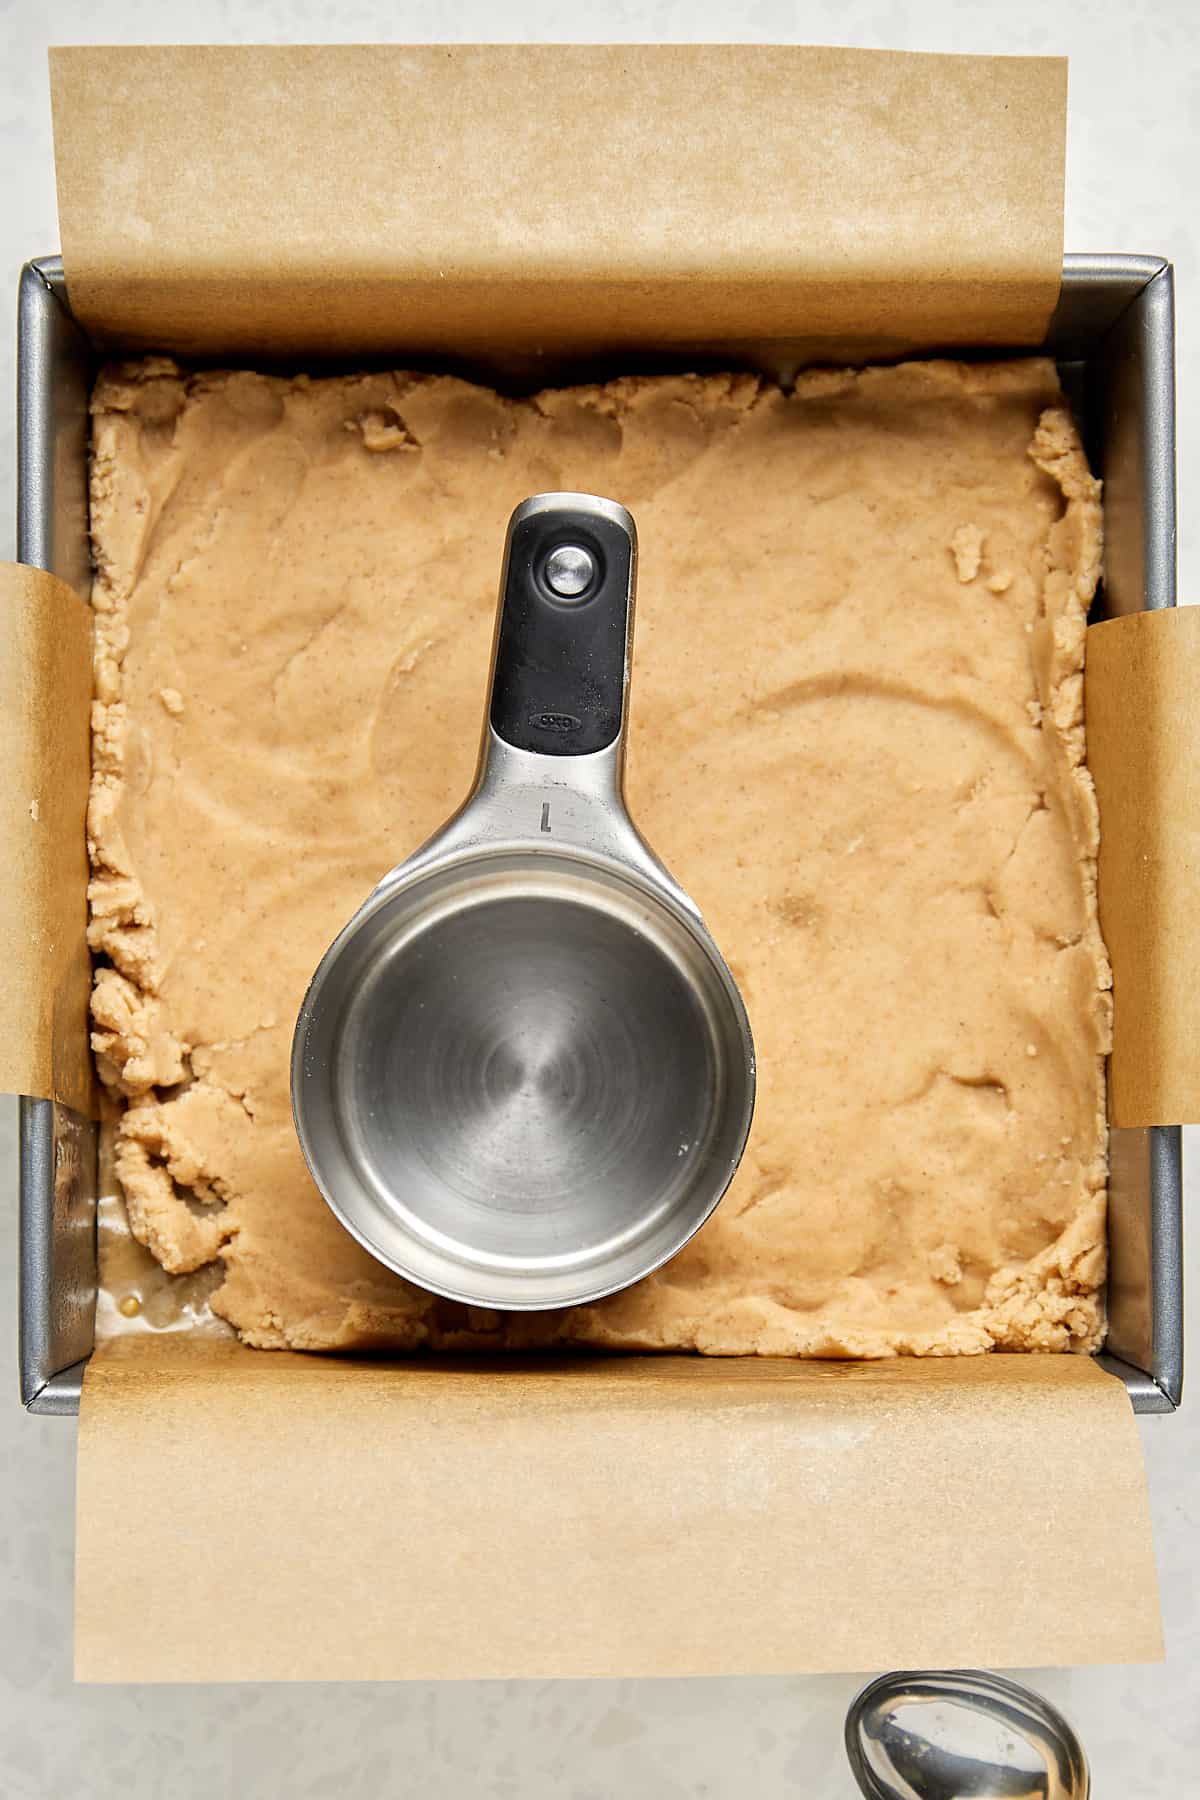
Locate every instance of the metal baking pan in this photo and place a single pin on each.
(1113, 337)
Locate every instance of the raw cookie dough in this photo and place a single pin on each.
(857, 739)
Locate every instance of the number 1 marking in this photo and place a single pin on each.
(545, 815)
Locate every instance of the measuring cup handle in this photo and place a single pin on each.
(560, 675)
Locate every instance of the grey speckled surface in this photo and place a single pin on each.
(1134, 134)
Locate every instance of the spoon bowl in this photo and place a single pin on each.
(961, 1735)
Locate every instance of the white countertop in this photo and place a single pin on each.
(1134, 135)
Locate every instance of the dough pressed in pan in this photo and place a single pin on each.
(856, 739)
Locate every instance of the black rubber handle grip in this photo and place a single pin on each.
(559, 677)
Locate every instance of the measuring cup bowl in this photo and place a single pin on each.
(523, 1075)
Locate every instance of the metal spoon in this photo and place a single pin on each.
(961, 1735)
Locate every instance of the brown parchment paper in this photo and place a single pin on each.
(45, 760)
(488, 201)
(1142, 696)
(244, 1515)
(249, 1517)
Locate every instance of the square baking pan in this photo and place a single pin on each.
(1113, 337)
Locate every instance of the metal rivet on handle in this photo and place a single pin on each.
(569, 571)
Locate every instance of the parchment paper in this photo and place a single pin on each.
(1142, 690)
(248, 1516)
(483, 202)
(45, 756)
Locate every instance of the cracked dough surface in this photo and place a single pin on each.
(857, 739)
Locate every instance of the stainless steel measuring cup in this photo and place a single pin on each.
(522, 1075)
